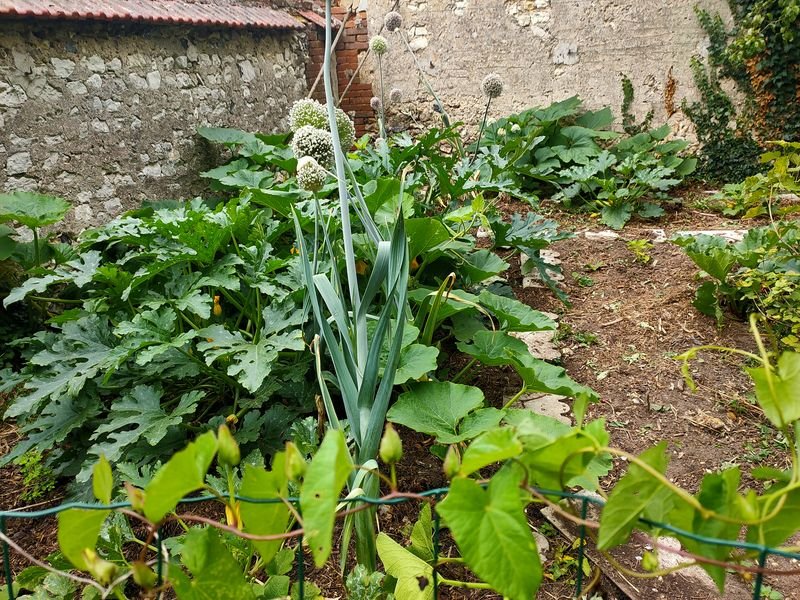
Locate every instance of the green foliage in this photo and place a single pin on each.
(764, 193)
(37, 477)
(629, 124)
(641, 250)
(362, 584)
(760, 274)
(759, 55)
(183, 312)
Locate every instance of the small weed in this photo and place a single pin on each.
(769, 594)
(593, 267)
(582, 280)
(641, 251)
(37, 477)
(567, 334)
(565, 562)
(634, 357)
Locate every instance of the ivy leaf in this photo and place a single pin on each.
(492, 533)
(215, 572)
(184, 473)
(415, 361)
(436, 408)
(265, 519)
(513, 315)
(319, 494)
(493, 446)
(637, 490)
(414, 576)
(78, 529)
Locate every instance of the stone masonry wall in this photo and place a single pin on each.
(546, 50)
(105, 114)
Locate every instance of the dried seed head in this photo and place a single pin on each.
(313, 142)
(492, 85)
(376, 104)
(379, 45)
(395, 96)
(310, 175)
(308, 112)
(393, 21)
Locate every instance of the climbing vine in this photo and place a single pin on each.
(761, 56)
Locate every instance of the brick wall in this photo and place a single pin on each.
(349, 52)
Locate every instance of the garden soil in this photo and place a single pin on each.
(625, 324)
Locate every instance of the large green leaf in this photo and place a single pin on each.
(483, 264)
(513, 315)
(184, 473)
(494, 348)
(779, 528)
(436, 408)
(415, 361)
(616, 215)
(424, 234)
(265, 519)
(414, 576)
(778, 395)
(319, 494)
(225, 135)
(31, 209)
(77, 531)
(250, 362)
(422, 535)
(215, 572)
(631, 496)
(493, 446)
(138, 416)
(492, 533)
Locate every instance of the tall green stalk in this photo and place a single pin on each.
(341, 317)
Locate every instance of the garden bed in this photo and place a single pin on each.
(626, 322)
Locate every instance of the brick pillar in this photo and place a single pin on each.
(351, 48)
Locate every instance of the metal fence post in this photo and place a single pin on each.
(762, 560)
(436, 530)
(7, 562)
(581, 558)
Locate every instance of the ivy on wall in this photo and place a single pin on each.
(761, 56)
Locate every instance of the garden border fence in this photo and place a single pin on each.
(763, 552)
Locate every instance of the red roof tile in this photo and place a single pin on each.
(317, 19)
(153, 11)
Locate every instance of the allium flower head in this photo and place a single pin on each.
(501, 132)
(308, 112)
(310, 175)
(313, 142)
(379, 45)
(515, 128)
(376, 104)
(395, 96)
(492, 85)
(393, 21)
(347, 131)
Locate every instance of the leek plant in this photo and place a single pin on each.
(360, 329)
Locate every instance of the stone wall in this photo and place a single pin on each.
(105, 114)
(547, 50)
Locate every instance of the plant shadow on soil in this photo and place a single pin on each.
(626, 322)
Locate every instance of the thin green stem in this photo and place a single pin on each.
(469, 585)
(57, 300)
(515, 397)
(483, 127)
(37, 256)
(466, 368)
(382, 111)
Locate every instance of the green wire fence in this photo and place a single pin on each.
(763, 552)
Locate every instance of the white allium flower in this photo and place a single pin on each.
(317, 143)
(310, 175)
(515, 128)
(393, 21)
(501, 132)
(308, 112)
(376, 104)
(492, 85)
(347, 131)
(379, 45)
(395, 96)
